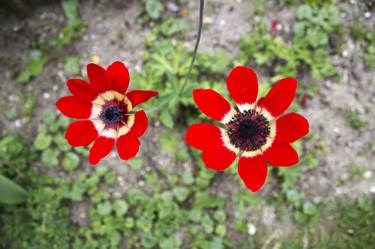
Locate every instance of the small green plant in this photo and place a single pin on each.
(355, 121)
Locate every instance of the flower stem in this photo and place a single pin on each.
(200, 25)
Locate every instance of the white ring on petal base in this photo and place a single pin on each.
(265, 113)
(95, 111)
(99, 125)
(125, 128)
(109, 133)
(226, 140)
(229, 116)
(99, 100)
(245, 107)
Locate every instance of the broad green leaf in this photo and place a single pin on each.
(104, 208)
(70, 8)
(120, 207)
(166, 118)
(70, 161)
(50, 157)
(10, 192)
(154, 8)
(42, 141)
(72, 64)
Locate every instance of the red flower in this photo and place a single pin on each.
(105, 111)
(254, 131)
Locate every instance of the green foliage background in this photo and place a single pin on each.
(175, 209)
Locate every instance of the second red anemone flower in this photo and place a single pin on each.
(253, 130)
(105, 111)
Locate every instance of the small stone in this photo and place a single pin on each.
(367, 174)
(345, 53)
(367, 14)
(141, 183)
(46, 95)
(208, 20)
(372, 190)
(18, 123)
(350, 231)
(279, 27)
(251, 229)
(256, 18)
(172, 7)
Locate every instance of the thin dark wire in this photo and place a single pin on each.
(200, 26)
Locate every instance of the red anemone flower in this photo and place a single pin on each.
(105, 111)
(253, 130)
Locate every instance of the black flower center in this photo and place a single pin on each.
(112, 114)
(248, 130)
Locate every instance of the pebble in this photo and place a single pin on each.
(18, 123)
(345, 53)
(372, 190)
(367, 14)
(208, 20)
(172, 7)
(141, 183)
(251, 229)
(46, 95)
(367, 174)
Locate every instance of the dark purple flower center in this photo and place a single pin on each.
(112, 114)
(248, 130)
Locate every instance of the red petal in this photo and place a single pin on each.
(253, 172)
(291, 127)
(97, 77)
(81, 133)
(218, 158)
(281, 154)
(279, 97)
(203, 136)
(242, 84)
(81, 89)
(73, 107)
(139, 96)
(118, 77)
(140, 124)
(100, 149)
(127, 146)
(211, 103)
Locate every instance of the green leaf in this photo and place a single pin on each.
(203, 200)
(188, 178)
(166, 119)
(304, 12)
(70, 161)
(48, 116)
(181, 193)
(50, 157)
(154, 8)
(72, 64)
(104, 208)
(70, 8)
(309, 208)
(23, 77)
(10, 192)
(42, 141)
(120, 207)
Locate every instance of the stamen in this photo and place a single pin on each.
(248, 130)
(112, 114)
